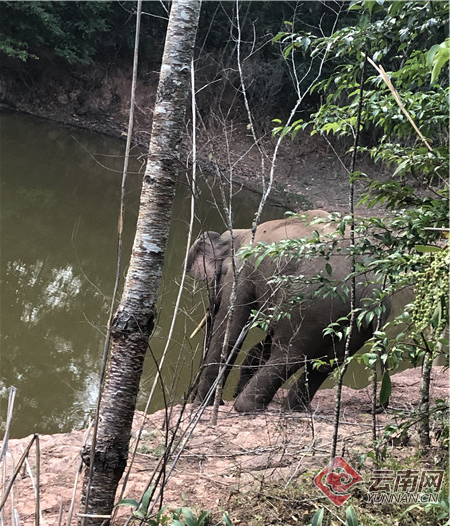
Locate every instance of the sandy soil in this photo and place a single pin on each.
(235, 456)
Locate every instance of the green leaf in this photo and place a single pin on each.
(369, 5)
(431, 54)
(437, 57)
(386, 388)
(368, 454)
(146, 499)
(306, 41)
(226, 519)
(318, 518)
(395, 7)
(259, 260)
(128, 502)
(329, 269)
(203, 518)
(427, 248)
(351, 517)
(288, 50)
(278, 37)
(439, 63)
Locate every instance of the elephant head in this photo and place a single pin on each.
(206, 256)
(292, 341)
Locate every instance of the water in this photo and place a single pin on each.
(60, 191)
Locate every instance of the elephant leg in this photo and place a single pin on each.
(256, 357)
(305, 387)
(262, 387)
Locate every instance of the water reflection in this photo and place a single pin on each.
(55, 291)
(59, 216)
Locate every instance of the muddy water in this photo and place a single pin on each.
(60, 192)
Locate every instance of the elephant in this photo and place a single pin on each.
(293, 341)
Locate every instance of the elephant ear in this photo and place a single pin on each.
(206, 256)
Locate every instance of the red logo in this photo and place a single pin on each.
(336, 479)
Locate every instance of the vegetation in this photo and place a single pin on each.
(76, 32)
(406, 110)
(404, 127)
(407, 247)
(183, 516)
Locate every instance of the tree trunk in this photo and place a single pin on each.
(134, 320)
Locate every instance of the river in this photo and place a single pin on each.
(60, 190)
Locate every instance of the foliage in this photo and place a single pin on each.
(431, 290)
(437, 57)
(76, 32)
(350, 516)
(440, 510)
(28, 26)
(404, 113)
(178, 517)
(405, 248)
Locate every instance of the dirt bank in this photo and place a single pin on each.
(241, 453)
(308, 172)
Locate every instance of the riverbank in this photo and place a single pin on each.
(309, 173)
(243, 462)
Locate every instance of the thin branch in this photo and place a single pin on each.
(77, 475)
(398, 100)
(345, 363)
(37, 513)
(9, 415)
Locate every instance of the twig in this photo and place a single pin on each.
(12, 396)
(398, 100)
(88, 515)
(38, 482)
(34, 484)
(4, 478)
(80, 466)
(60, 515)
(16, 471)
(344, 365)
(424, 431)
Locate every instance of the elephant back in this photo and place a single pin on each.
(293, 227)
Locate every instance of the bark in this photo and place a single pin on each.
(424, 430)
(134, 320)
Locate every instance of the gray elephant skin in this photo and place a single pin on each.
(292, 342)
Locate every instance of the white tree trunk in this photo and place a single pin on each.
(134, 320)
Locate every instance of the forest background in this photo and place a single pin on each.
(70, 61)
